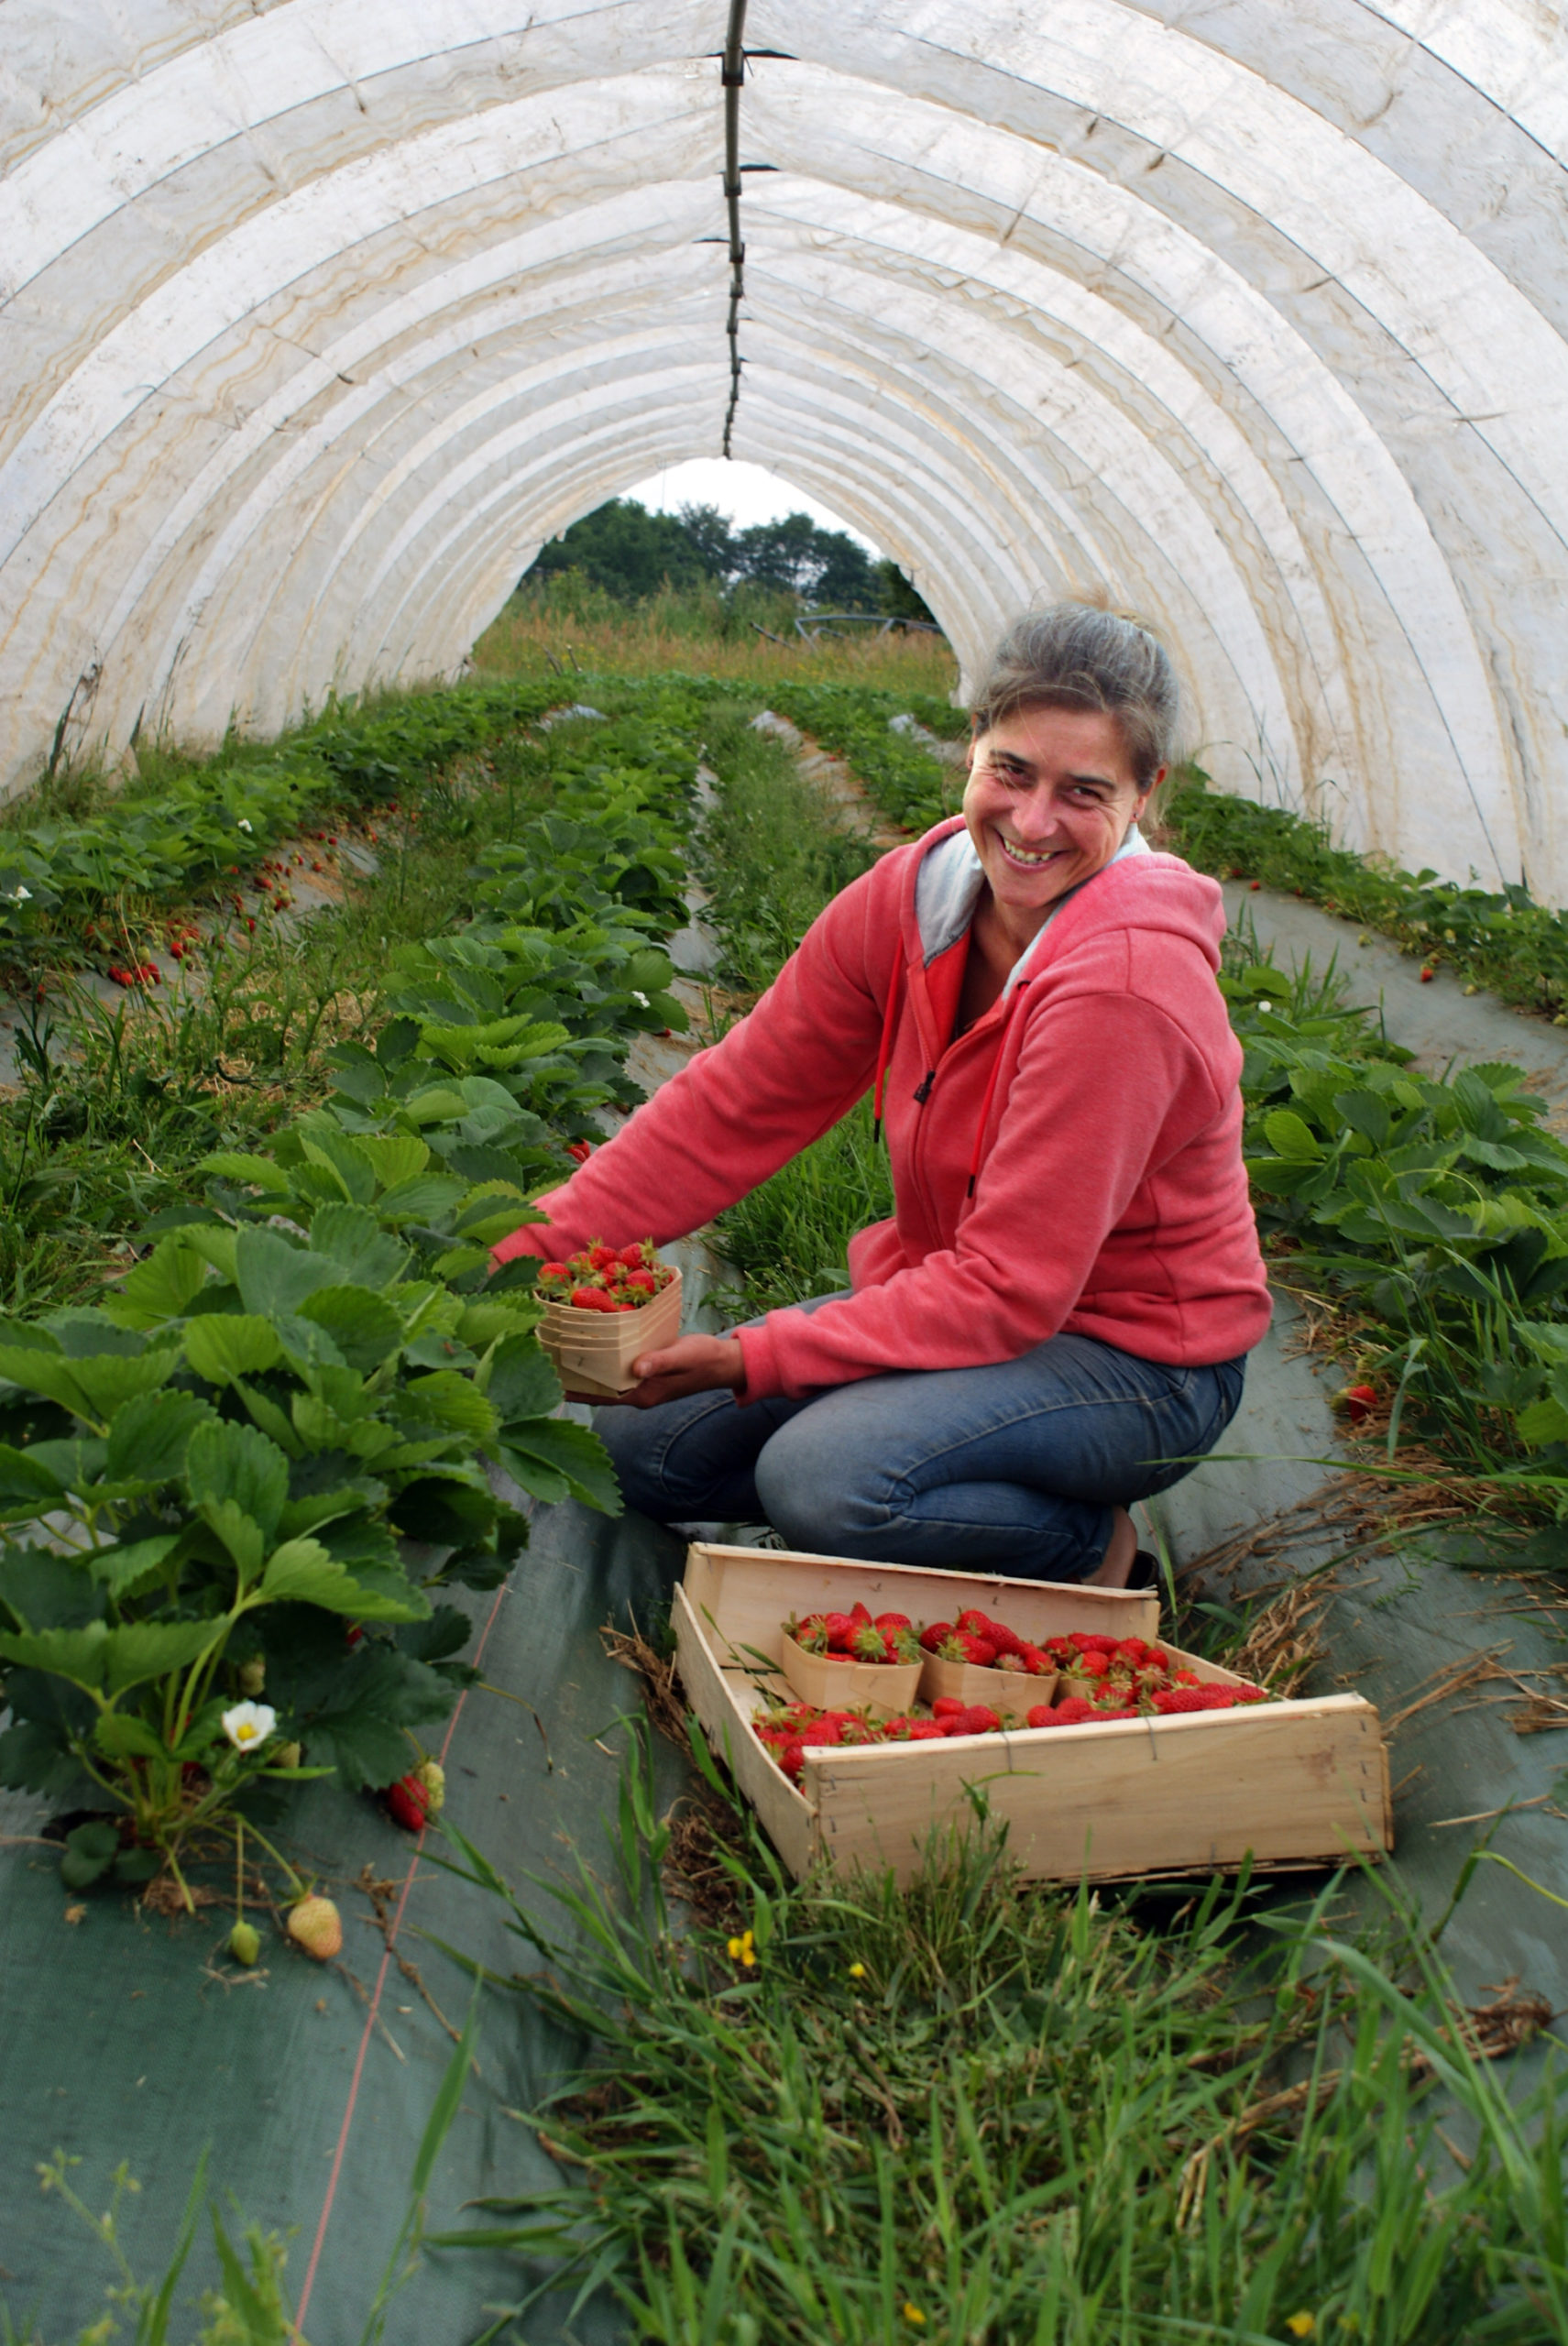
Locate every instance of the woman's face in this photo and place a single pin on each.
(1051, 795)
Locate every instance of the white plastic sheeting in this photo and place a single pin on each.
(318, 316)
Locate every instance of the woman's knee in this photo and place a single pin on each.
(821, 1491)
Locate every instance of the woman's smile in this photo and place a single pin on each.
(1051, 796)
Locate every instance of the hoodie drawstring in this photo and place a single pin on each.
(978, 1149)
(884, 1049)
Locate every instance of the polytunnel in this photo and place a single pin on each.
(320, 315)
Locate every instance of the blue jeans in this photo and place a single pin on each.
(1011, 1468)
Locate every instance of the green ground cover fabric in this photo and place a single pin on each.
(128, 2037)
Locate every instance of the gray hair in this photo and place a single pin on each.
(1074, 655)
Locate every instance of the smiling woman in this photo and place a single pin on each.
(1055, 1321)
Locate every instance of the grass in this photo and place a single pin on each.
(987, 2114)
(566, 628)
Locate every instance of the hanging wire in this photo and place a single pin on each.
(733, 76)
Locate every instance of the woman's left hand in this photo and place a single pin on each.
(691, 1364)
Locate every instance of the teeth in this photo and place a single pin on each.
(1026, 855)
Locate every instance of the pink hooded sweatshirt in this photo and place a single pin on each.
(1073, 1161)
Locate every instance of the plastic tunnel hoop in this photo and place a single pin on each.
(317, 320)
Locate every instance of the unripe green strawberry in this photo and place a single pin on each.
(245, 1942)
(288, 1755)
(316, 1925)
(252, 1677)
(433, 1776)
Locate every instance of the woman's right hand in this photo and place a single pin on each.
(691, 1364)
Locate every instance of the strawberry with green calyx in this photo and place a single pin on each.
(978, 1718)
(962, 1645)
(245, 1942)
(810, 1634)
(407, 1802)
(888, 1622)
(934, 1632)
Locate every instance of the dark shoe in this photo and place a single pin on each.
(1146, 1570)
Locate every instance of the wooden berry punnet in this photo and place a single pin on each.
(637, 1307)
(1283, 1783)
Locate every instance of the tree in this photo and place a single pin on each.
(631, 553)
(898, 598)
(624, 549)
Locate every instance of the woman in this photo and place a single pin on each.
(1055, 1321)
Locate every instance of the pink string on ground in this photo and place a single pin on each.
(373, 2011)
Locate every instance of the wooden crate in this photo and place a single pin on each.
(1286, 1783)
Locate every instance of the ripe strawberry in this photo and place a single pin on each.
(316, 1925)
(1036, 1662)
(579, 1150)
(1358, 1402)
(926, 1731)
(934, 1633)
(1072, 1711)
(1005, 1640)
(840, 1627)
(1093, 1641)
(974, 1621)
(601, 1257)
(634, 1259)
(591, 1298)
(643, 1282)
(886, 1621)
(1175, 1699)
(792, 1758)
(868, 1644)
(1092, 1665)
(407, 1803)
(1043, 1715)
(964, 1647)
(553, 1271)
(980, 1719)
(947, 1707)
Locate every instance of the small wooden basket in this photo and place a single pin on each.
(1011, 1693)
(885, 1686)
(593, 1351)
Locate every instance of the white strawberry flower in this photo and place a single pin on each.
(244, 823)
(20, 895)
(248, 1725)
(638, 998)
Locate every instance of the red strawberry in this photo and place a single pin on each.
(1073, 1712)
(553, 1271)
(580, 1150)
(1037, 1663)
(601, 1257)
(1005, 1640)
(633, 1258)
(868, 1644)
(644, 1281)
(1359, 1401)
(591, 1298)
(933, 1635)
(861, 1617)
(977, 1720)
(1175, 1699)
(926, 1731)
(792, 1758)
(1093, 1641)
(841, 1629)
(963, 1646)
(407, 1803)
(1043, 1715)
(947, 1707)
(974, 1621)
(1092, 1665)
(886, 1621)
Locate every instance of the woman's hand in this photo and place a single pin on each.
(691, 1364)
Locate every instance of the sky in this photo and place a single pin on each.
(747, 493)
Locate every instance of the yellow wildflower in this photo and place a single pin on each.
(741, 1951)
(914, 2313)
(857, 1970)
(1302, 2325)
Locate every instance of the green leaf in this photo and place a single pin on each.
(76, 1654)
(1365, 1112)
(120, 1570)
(150, 1436)
(109, 1381)
(260, 1171)
(90, 1851)
(1543, 1422)
(236, 1464)
(554, 1447)
(122, 1735)
(144, 1649)
(27, 1486)
(445, 1397)
(161, 1289)
(395, 1158)
(303, 1573)
(274, 1276)
(366, 1254)
(215, 1245)
(424, 1198)
(520, 1379)
(364, 1327)
(46, 1591)
(223, 1346)
(1291, 1136)
(44, 1372)
(345, 1159)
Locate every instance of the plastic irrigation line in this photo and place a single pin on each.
(127, 2037)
